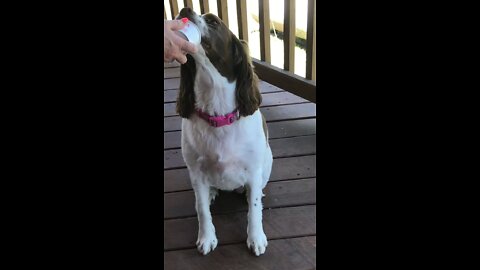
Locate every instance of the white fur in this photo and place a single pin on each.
(227, 157)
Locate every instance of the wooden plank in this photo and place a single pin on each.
(174, 8)
(264, 20)
(173, 159)
(266, 87)
(223, 11)
(285, 147)
(311, 41)
(286, 80)
(295, 146)
(292, 128)
(177, 180)
(277, 194)
(171, 73)
(170, 95)
(172, 123)
(282, 98)
(289, 112)
(276, 130)
(169, 109)
(232, 228)
(274, 99)
(282, 169)
(204, 8)
(170, 65)
(294, 168)
(172, 139)
(169, 84)
(242, 19)
(282, 254)
(279, 113)
(289, 36)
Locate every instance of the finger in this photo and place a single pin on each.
(184, 45)
(188, 47)
(182, 59)
(176, 24)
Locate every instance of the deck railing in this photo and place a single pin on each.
(284, 78)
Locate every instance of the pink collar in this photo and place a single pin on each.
(219, 121)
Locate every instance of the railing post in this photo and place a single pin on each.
(223, 11)
(242, 19)
(311, 41)
(188, 3)
(289, 35)
(264, 20)
(174, 8)
(204, 6)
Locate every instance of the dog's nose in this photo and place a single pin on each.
(186, 12)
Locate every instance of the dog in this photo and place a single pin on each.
(224, 135)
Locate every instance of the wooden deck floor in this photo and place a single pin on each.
(289, 214)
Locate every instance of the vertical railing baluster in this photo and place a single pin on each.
(289, 35)
(311, 41)
(264, 20)
(174, 8)
(223, 11)
(242, 19)
(188, 3)
(204, 6)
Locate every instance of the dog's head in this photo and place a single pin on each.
(229, 56)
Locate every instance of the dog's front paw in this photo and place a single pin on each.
(206, 243)
(257, 242)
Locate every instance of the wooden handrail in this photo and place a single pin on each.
(286, 80)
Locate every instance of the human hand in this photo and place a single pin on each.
(175, 47)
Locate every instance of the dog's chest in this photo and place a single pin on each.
(224, 175)
(224, 163)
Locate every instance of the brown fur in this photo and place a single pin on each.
(186, 96)
(247, 92)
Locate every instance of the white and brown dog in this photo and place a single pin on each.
(224, 135)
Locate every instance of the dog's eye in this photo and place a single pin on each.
(211, 21)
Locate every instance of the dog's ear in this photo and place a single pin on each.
(246, 92)
(186, 95)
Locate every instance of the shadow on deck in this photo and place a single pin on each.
(289, 214)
